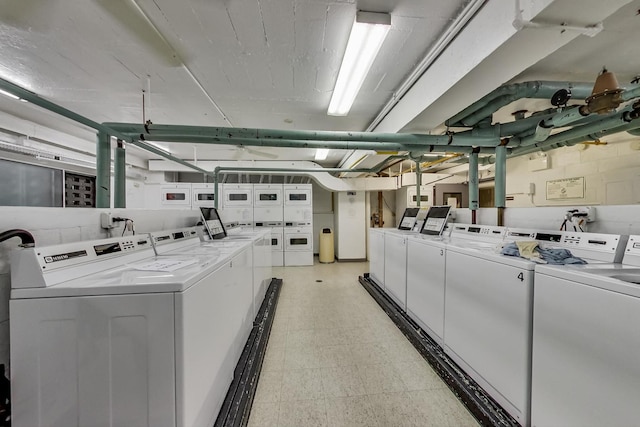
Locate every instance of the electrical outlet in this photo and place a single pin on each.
(591, 213)
(106, 220)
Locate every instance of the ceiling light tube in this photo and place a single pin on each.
(367, 35)
(10, 95)
(321, 153)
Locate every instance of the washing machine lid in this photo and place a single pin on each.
(622, 278)
(157, 274)
(437, 241)
(488, 251)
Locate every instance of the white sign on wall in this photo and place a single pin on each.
(568, 188)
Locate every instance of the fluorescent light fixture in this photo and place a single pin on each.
(321, 153)
(367, 34)
(10, 95)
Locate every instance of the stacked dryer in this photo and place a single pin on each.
(298, 225)
(237, 204)
(268, 212)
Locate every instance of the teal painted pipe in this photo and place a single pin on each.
(617, 120)
(336, 145)
(547, 145)
(631, 93)
(474, 191)
(418, 182)
(501, 177)
(506, 94)
(103, 171)
(120, 177)
(166, 131)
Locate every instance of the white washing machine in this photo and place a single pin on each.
(105, 333)
(188, 240)
(489, 308)
(298, 244)
(586, 343)
(202, 195)
(237, 204)
(395, 248)
(298, 205)
(426, 257)
(268, 204)
(376, 255)
(395, 265)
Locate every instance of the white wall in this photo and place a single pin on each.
(618, 219)
(611, 174)
(51, 226)
(322, 213)
(388, 206)
(351, 225)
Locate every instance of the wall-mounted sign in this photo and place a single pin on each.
(569, 188)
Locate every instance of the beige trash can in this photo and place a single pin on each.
(326, 246)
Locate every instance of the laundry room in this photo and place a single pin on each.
(319, 213)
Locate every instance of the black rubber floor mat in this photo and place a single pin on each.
(236, 408)
(477, 401)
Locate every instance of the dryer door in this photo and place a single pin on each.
(298, 240)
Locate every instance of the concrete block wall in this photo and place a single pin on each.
(618, 219)
(611, 173)
(51, 226)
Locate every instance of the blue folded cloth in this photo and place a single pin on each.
(550, 256)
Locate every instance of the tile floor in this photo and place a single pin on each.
(335, 358)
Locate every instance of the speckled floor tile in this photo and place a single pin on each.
(303, 413)
(357, 411)
(302, 384)
(336, 359)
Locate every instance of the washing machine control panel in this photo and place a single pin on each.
(632, 251)
(69, 254)
(480, 232)
(168, 240)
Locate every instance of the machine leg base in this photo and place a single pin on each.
(481, 405)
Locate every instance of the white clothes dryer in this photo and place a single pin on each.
(237, 204)
(298, 244)
(268, 203)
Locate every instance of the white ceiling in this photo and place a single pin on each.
(251, 63)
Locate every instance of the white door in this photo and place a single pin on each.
(298, 239)
(175, 196)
